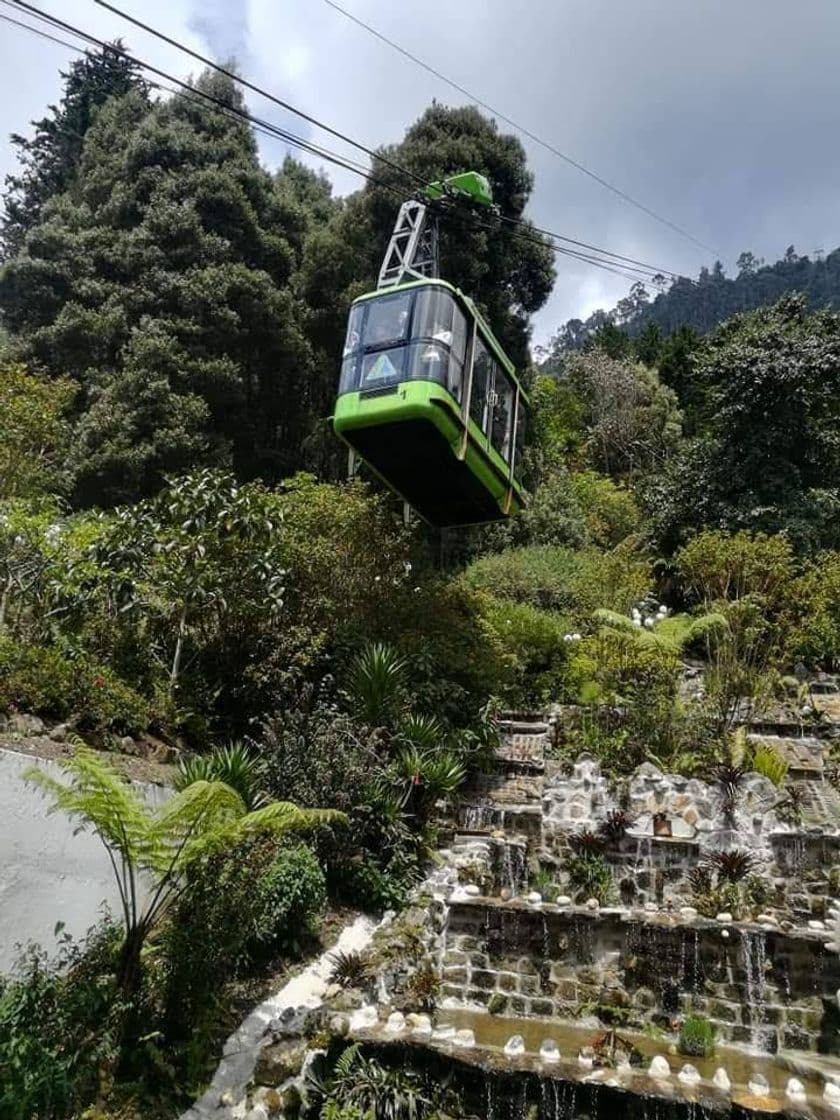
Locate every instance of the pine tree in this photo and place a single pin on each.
(162, 284)
(50, 158)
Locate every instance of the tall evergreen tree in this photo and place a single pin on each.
(161, 283)
(49, 159)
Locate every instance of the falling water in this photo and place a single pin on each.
(490, 1098)
(754, 950)
(479, 818)
(513, 869)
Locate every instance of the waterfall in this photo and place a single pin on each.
(753, 947)
(490, 1098)
(514, 867)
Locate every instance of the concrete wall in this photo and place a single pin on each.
(48, 874)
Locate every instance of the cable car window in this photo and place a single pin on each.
(502, 413)
(382, 367)
(438, 318)
(387, 320)
(521, 422)
(478, 400)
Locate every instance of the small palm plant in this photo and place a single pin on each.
(151, 851)
(237, 765)
(425, 776)
(377, 680)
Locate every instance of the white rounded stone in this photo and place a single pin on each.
(725, 934)
(464, 1039)
(396, 1023)
(443, 1034)
(721, 1080)
(549, 1051)
(471, 890)
(767, 919)
(795, 1089)
(815, 923)
(689, 1075)
(364, 1019)
(688, 913)
(724, 916)
(758, 1085)
(421, 1026)
(515, 1046)
(831, 1095)
(593, 904)
(534, 898)
(586, 1061)
(563, 900)
(659, 1069)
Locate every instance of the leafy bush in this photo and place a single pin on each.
(291, 897)
(610, 511)
(590, 876)
(60, 1024)
(236, 765)
(537, 652)
(559, 579)
(716, 566)
(46, 681)
(350, 969)
(697, 1037)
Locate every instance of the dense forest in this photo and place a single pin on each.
(700, 305)
(182, 564)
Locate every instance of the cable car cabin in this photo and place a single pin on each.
(432, 404)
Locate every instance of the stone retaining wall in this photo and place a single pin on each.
(767, 988)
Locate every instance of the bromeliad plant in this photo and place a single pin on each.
(151, 851)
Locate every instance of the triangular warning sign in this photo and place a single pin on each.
(383, 369)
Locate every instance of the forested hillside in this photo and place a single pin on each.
(184, 570)
(701, 304)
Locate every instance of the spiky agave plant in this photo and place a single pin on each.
(732, 866)
(421, 731)
(425, 776)
(350, 969)
(376, 682)
(586, 842)
(237, 765)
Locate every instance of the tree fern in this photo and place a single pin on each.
(202, 819)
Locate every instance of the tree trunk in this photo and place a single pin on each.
(179, 650)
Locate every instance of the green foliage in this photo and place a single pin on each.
(697, 1037)
(632, 422)
(770, 764)
(815, 628)
(377, 682)
(290, 899)
(350, 969)
(559, 579)
(533, 640)
(237, 765)
(35, 431)
(590, 876)
(56, 684)
(371, 1089)
(60, 1024)
(50, 159)
(202, 820)
(716, 566)
(765, 457)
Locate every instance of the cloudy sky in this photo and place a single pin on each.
(720, 115)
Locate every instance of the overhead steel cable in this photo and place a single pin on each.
(519, 128)
(524, 230)
(171, 41)
(259, 90)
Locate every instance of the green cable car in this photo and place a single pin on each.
(427, 397)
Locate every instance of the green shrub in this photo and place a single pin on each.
(590, 877)
(697, 1037)
(535, 645)
(559, 579)
(290, 899)
(44, 680)
(610, 511)
(59, 1024)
